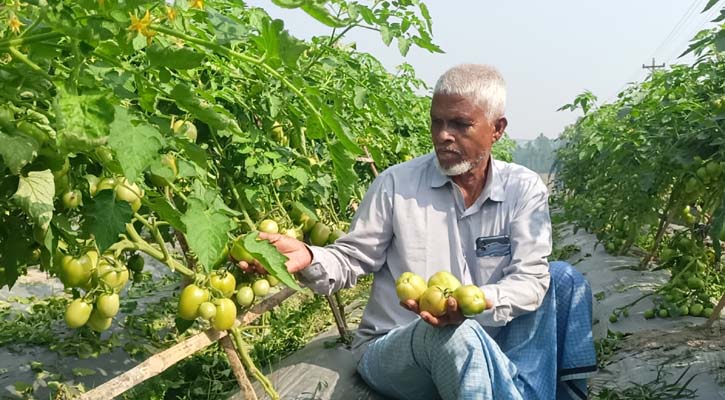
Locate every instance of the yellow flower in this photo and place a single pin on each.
(170, 13)
(149, 36)
(140, 25)
(15, 24)
(197, 4)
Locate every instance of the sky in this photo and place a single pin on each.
(548, 51)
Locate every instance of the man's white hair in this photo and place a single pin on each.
(482, 84)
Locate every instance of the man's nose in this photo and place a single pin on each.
(443, 133)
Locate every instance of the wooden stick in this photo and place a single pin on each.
(238, 369)
(716, 312)
(162, 361)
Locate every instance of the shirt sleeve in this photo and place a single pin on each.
(362, 250)
(526, 279)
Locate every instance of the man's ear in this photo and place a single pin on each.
(499, 128)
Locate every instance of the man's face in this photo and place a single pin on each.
(462, 136)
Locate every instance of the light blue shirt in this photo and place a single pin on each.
(413, 218)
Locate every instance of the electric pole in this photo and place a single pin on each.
(653, 66)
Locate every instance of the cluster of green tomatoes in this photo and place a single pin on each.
(432, 296)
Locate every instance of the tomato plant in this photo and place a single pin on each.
(649, 163)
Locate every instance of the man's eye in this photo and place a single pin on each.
(461, 124)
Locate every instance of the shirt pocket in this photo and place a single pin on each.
(490, 268)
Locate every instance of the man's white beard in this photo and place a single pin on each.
(460, 168)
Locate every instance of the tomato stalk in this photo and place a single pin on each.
(241, 346)
(23, 41)
(154, 228)
(247, 219)
(23, 58)
(140, 244)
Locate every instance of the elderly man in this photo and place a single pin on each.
(443, 211)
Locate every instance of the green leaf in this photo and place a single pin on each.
(226, 29)
(300, 175)
(16, 249)
(35, 196)
(361, 95)
(710, 4)
(426, 16)
(135, 146)
(173, 57)
(206, 231)
(271, 259)
(403, 45)
(213, 115)
(386, 35)
(167, 212)
(83, 121)
(288, 3)
(78, 372)
(341, 131)
(105, 218)
(319, 13)
(345, 176)
(17, 151)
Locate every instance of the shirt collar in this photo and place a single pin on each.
(494, 182)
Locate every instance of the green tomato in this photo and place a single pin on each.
(649, 314)
(239, 252)
(190, 299)
(272, 281)
(696, 309)
(224, 282)
(92, 183)
(72, 199)
(613, 318)
(261, 287)
(663, 313)
(76, 272)
(410, 286)
(245, 296)
(226, 314)
(471, 300)
(684, 310)
(434, 301)
(97, 322)
(693, 282)
(110, 275)
(105, 184)
(207, 310)
(185, 128)
(77, 313)
(319, 234)
(107, 305)
(707, 312)
(444, 280)
(713, 169)
(336, 234)
(135, 263)
(269, 226)
(130, 193)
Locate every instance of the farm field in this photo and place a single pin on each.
(145, 145)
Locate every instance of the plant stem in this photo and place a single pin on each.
(24, 59)
(249, 364)
(238, 199)
(21, 41)
(144, 246)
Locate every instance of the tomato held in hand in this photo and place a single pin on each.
(410, 286)
(239, 252)
(445, 280)
(269, 226)
(434, 301)
(471, 300)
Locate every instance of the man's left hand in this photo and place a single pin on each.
(453, 315)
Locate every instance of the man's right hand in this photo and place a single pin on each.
(298, 254)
